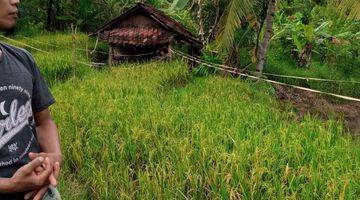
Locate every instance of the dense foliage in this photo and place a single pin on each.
(304, 30)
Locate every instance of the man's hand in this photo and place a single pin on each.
(55, 160)
(54, 157)
(39, 194)
(25, 178)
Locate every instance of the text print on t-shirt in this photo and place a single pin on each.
(13, 117)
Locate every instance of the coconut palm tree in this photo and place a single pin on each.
(230, 21)
(260, 57)
(236, 12)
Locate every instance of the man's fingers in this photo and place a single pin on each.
(56, 169)
(56, 172)
(31, 166)
(48, 170)
(32, 155)
(39, 169)
(41, 193)
(53, 180)
(30, 194)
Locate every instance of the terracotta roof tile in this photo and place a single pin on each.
(179, 30)
(137, 36)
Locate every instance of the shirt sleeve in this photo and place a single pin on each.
(41, 97)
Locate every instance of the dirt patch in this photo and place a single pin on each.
(310, 103)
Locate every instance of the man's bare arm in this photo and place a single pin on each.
(47, 133)
(49, 142)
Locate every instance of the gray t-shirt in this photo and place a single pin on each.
(23, 92)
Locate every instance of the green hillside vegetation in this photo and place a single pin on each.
(156, 131)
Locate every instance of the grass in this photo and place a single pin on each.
(57, 64)
(155, 131)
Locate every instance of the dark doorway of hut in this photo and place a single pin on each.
(143, 33)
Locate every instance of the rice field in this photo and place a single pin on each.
(155, 131)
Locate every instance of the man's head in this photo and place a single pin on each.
(8, 14)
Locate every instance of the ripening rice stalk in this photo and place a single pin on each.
(155, 131)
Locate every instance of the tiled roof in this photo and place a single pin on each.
(165, 21)
(137, 36)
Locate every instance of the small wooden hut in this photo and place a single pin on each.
(143, 32)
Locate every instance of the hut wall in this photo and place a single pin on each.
(138, 20)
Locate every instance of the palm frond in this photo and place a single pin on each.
(230, 21)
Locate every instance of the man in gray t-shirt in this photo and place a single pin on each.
(30, 154)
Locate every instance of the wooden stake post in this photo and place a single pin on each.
(73, 30)
(87, 49)
(110, 56)
(170, 55)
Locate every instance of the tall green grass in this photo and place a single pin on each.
(54, 54)
(154, 131)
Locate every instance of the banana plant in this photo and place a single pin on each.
(304, 37)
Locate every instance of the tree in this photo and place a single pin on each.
(52, 13)
(242, 15)
(230, 21)
(201, 21)
(265, 43)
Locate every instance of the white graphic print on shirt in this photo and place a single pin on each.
(15, 114)
(16, 120)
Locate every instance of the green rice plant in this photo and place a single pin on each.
(130, 133)
(54, 55)
(156, 131)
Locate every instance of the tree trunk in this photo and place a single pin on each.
(232, 61)
(258, 36)
(304, 59)
(57, 13)
(212, 31)
(50, 16)
(265, 43)
(201, 22)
